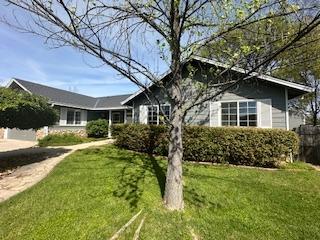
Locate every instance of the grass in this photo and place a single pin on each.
(64, 139)
(95, 191)
(298, 165)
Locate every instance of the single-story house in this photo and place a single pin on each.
(75, 110)
(261, 101)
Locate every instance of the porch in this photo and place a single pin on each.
(114, 116)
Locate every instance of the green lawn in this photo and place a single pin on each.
(65, 139)
(92, 193)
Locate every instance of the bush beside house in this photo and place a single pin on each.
(241, 146)
(97, 128)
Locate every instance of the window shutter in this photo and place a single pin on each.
(143, 114)
(83, 117)
(265, 113)
(215, 114)
(63, 116)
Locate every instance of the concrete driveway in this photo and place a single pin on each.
(26, 176)
(7, 145)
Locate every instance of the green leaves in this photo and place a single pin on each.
(24, 111)
(241, 146)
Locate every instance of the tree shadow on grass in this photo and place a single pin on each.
(133, 175)
(17, 158)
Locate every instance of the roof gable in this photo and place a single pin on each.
(298, 88)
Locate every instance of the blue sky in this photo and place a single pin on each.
(26, 56)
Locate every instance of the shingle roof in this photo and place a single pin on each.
(71, 99)
(111, 101)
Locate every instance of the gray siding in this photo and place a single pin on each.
(199, 115)
(142, 100)
(262, 90)
(246, 90)
(295, 120)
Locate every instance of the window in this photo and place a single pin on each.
(77, 117)
(229, 114)
(164, 113)
(248, 114)
(152, 114)
(242, 113)
(70, 117)
(158, 117)
(73, 117)
(116, 118)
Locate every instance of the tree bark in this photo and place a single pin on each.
(173, 196)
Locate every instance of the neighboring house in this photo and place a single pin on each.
(262, 101)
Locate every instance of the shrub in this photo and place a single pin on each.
(63, 139)
(241, 146)
(97, 128)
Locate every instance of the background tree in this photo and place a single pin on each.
(303, 65)
(24, 111)
(117, 32)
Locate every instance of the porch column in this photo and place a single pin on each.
(125, 116)
(110, 122)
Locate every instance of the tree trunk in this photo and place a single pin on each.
(173, 196)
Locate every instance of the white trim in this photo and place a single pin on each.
(259, 111)
(88, 108)
(133, 110)
(210, 122)
(287, 111)
(74, 117)
(13, 80)
(109, 123)
(238, 111)
(255, 74)
(158, 111)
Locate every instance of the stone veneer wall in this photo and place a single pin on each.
(79, 132)
(41, 133)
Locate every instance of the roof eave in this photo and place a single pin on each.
(88, 108)
(279, 81)
(13, 80)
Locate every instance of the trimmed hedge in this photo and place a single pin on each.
(97, 128)
(240, 146)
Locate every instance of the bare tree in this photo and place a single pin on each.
(111, 31)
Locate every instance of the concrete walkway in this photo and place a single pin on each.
(11, 145)
(28, 175)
